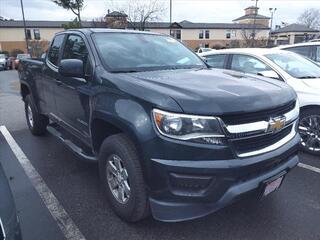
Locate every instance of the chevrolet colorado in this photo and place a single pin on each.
(171, 136)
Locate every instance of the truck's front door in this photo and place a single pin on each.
(73, 93)
(47, 82)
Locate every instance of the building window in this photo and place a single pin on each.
(36, 33)
(228, 34)
(28, 34)
(207, 34)
(233, 34)
(176, 33)
(201, 34)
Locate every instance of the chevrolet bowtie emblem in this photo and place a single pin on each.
(276, 124)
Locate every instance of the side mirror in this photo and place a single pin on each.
(269, 74)
(71, 68)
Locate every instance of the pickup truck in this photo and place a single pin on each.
(171, 136)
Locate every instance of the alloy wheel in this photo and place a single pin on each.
(309, 129)
(30, 115)
(118, 179)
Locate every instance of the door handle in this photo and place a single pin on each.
(58, 82)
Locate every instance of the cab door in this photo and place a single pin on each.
(47, 80)
(73, 93)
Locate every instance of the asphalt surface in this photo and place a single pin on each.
(293, 212)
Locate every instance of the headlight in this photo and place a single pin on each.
(189, 127)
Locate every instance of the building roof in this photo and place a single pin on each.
(295, 28)
(116, 14)
(39, 24)
(251, 16)
(156, 25)
(191, 25)
(251, 7)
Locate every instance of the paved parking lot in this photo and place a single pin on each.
(291, 213)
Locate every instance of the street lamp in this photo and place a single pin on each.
(170, 16)
(272, 11)
(254, 23)
(24, 26)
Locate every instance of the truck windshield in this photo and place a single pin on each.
(295, 65)
(131, 52)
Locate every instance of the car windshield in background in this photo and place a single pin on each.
(22, 56)
(295, 65)
(129, 52)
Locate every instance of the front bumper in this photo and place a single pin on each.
(189, 189)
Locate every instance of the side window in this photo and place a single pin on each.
(305, 51)
(216, 61)
(318, 54)
(75, 48)
(248, 64)
(53, 54)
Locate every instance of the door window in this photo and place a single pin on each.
(75, 48)
(318, 54)
(216, 61)
(248, 64)
(305, 51)
(53, 55)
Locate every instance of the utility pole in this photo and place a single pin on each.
(272, 11)
(170, 15)
(25, 27)
(254, 24)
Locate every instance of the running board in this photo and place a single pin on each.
(72, 146)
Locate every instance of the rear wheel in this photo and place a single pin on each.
(36, 122)
(122, 179)
(309, 129)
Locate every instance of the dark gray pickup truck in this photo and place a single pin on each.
(172, 137)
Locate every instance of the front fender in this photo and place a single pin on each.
(132, 117)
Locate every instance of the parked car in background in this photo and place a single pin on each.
(309, 49)
(3, 61)
(203, 50)
(297, 71)
(19, 58)
(9, 224)
(171, 136)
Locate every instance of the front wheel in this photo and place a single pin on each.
(122, 178)
(309, 129)
(36, 122)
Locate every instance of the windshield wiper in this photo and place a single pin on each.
(307, 77)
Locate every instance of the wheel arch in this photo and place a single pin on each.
(104, 125)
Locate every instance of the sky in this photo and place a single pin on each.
(192, 10)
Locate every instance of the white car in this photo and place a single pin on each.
(300, 73)
(309, 49)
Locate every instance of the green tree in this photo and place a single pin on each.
(72, 25)
(75, 6)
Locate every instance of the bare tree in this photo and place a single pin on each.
(311, 18)
(140, 12)
(75, 6)
(247, 37)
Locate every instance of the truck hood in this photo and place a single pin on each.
(207, 91)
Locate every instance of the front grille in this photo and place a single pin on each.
(2, 234)
(257, 116)
(260, 142)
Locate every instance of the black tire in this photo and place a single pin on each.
(40, 122)
(304, 114)
(137, 206)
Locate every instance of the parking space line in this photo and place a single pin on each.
(65, 223)
(311, 168)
